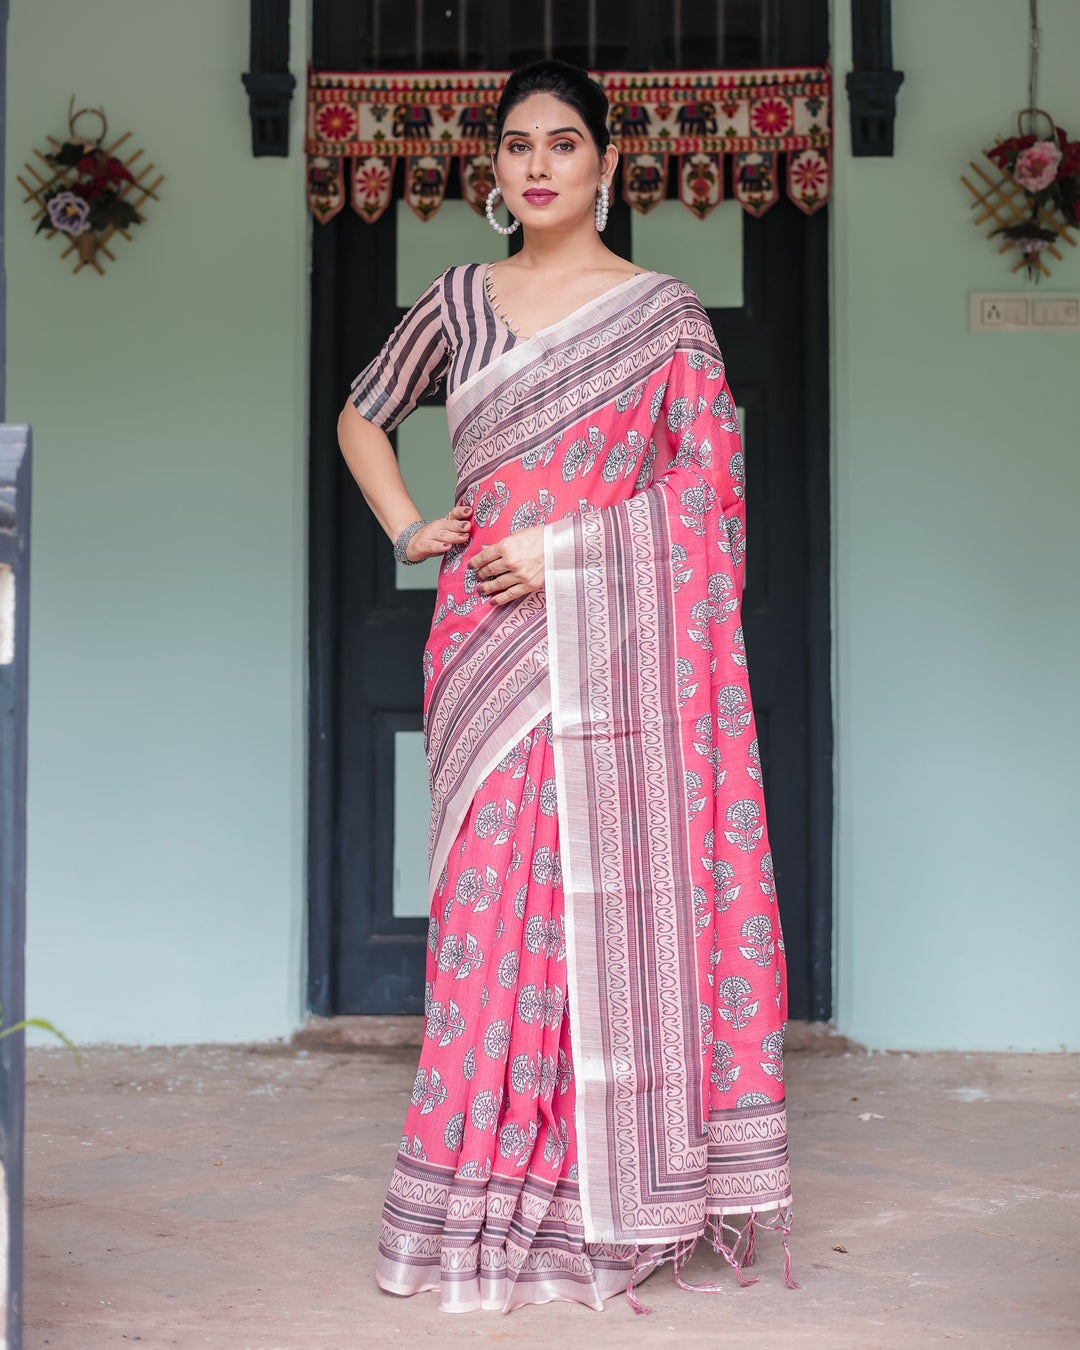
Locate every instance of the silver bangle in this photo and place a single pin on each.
(401, 543)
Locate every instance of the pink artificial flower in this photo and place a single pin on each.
(1037, 166)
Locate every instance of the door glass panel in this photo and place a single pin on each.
(425, 34)
(686, 34)
(427, 465)
(427, 247)
(412, 812)
(455, 34)
(706, 254)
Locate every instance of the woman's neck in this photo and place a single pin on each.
(551, 251)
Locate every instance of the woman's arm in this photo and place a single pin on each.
(372, 462)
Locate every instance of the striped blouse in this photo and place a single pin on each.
(450, 333)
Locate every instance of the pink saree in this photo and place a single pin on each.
(601, 1081)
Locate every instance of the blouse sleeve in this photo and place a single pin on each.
(413, 360)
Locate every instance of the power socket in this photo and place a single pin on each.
(1015, 312)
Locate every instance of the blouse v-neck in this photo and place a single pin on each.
(494, 305)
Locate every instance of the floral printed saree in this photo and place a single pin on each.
(601, 1080)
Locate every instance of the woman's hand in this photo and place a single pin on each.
(511, 568)
(441, 535)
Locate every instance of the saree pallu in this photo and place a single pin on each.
(601, 1080)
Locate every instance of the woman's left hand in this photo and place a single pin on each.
(512, 568)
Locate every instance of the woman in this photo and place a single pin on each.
(601, 1080)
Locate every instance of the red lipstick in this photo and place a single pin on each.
(539, 196)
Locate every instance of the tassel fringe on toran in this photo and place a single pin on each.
(716, 1233)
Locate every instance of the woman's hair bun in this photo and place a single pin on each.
(569, 84)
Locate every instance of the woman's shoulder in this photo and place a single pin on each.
(675, 287)
(454, 290)
(453, 276)
(680, 300)
(462, 271)
(459, 284)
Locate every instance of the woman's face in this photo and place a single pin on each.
(548, 166)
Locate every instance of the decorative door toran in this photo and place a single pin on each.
(436, 119)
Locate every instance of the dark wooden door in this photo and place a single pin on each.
(367, 635)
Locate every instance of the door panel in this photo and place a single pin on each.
(706, 254)
(427, 465)
(763, 284)
(423, 248)
(412, 809)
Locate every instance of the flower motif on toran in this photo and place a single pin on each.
(372, 181)
(810, 175)
(771, 117)
(336, 122)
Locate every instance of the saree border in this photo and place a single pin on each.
(520, 400)
(641, 1132)
(474, 722)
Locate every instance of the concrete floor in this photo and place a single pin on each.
(229, 1198)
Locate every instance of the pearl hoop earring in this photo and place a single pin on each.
(489, 211)
(602, 206)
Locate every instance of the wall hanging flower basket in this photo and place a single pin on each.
(83, 192)
(1028, 187)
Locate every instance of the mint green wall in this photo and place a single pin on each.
(168, 406)
(957, 492)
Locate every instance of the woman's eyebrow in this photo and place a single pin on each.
(559, 131)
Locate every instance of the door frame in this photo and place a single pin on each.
(338, 29)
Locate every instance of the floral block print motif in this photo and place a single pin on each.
(601, 1082)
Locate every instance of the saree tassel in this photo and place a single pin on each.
(683, 1253)
(632, 1298)
(750, 1253)
(789, 1279)
(635, 1262)
(721, 1247)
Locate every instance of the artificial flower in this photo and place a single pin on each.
(1037, 166)
(1005, 151)
(1070, 160)
(103, 168)
(68, 212)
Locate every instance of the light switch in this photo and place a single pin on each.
(1060, 312)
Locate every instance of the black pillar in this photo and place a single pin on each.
(872, 85)
(268, 82)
